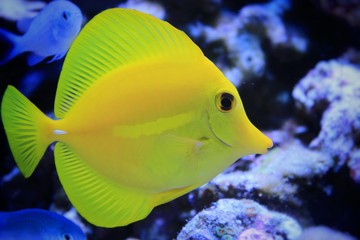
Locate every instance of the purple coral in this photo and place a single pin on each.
(254, 234)
(240, 219)
(322, 232)
(340, 127)
(242, 35)
(332, 90)
(330, 81)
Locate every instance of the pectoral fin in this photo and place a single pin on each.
(34, 59)
(57, 57)
(181, 169)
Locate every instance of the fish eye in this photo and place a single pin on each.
(67, 236)
(65, 15)
(225, 102)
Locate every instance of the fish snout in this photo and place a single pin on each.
(253, 140)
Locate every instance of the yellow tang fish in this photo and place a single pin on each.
(143, 117)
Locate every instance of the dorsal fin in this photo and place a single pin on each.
(112, 39)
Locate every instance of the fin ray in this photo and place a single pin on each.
(25, 126)
(114, 38)
(99, 200)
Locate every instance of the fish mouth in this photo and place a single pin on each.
(213, 132)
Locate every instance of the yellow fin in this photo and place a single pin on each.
(167, 196)
(112, 39)
(25, 126)
(98, 200)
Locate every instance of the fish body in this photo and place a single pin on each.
(168, 127)
(14, 10)
(50, 33)
(142, 115)
(31, 224)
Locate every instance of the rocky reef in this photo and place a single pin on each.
(240, 219)
(332, 90)
(242, 35)
(277, 175)
(321, 232)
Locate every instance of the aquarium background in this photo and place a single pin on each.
(296, 66)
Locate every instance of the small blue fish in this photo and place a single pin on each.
(31, 224)
(50, 33)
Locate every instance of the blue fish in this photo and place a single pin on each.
(31, 224)
(50, 33)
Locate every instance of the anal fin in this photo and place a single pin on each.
(99, 200)
(169, 195)
(34, 59)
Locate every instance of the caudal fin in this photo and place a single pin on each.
(26, 129)
(9, 46)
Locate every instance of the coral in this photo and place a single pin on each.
(242, 35)
(266, 19)
(332, 91)
(153, 8)
(347, 10)
(254, 234)
(272, 174)
(240, 219)
(351, 56)
(340, 131)
(246, 51)
(322, 232)
(354, 164)
(330, 81)
(14, 10)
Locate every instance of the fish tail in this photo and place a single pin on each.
(9, 46)
(27, 130)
